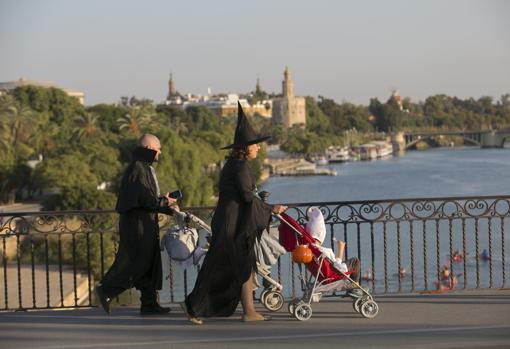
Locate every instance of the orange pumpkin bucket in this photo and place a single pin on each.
(302, 254)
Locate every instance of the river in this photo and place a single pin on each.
(437, 172)
(440, 172)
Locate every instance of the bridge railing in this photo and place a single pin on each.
(54, 259)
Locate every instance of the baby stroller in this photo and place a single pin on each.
(181, 242)
(267, 251)
(324, 276)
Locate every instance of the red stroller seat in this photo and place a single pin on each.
(289, 239)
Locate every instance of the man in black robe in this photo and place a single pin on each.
(138, 260)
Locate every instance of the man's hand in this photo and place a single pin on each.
(170, 200)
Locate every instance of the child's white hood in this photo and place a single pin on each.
(315, 225)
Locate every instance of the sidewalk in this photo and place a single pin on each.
(20, 207)
(471, 319)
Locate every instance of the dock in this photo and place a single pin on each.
(297, 167)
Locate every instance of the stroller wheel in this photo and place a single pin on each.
(369, 309)
(292, 305)
(303, 311)
(356, 304)
(263, 296)
(273, 301)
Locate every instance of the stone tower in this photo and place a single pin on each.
(289, 110)
(287, 84)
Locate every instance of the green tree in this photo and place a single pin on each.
(137, 119)
(70, 169)
(86, 126)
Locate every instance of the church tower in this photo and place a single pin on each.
(171, 88)
(258, 90)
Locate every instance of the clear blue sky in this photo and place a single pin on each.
(345, 50)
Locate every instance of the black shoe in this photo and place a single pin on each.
(103, 299)
(155, 309)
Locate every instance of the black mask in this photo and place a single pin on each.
(145, 154)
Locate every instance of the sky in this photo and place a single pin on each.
(345, 50)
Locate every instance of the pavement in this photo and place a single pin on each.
(20, 207)
(36, 284)
(469, 319)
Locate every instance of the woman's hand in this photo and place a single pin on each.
(277, 209)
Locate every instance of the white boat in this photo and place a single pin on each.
(367, 151)
(383, 149)
(337, 154)
(321, 161)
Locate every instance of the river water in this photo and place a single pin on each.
(440, 172)
(437, 172)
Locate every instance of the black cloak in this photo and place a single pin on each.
(239, 219)
(138, 259)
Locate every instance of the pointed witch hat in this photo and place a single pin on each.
(244, 134)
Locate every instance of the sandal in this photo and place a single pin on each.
(246, 318)
(194, 320)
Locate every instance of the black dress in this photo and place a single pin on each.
(138, 260)
(239, 219)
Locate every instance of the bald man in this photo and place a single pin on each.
(138, 260)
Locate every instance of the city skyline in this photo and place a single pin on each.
(341, 50)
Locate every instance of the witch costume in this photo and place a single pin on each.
(239, 219)
(138, 260)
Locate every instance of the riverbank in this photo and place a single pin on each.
(296, 167)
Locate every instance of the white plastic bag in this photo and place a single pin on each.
(180, 243)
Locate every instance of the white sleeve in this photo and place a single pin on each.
(340, 266)
(327, 252)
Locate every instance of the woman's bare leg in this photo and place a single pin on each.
(247, 299)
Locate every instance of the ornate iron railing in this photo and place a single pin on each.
(54, 259)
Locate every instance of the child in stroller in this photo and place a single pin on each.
(327, 273)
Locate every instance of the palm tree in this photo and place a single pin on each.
(18, 123)
(86, 126)
(136, 119)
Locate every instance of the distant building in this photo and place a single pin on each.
(289, 110)
(395, 95)
(172, 98)
(172, 91)
(226, 105)
(11, 85)
(397, 98)
(221, 104)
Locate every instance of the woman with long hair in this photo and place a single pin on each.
(226, 275)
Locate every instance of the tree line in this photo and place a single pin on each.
(86, 148)
(332, 123)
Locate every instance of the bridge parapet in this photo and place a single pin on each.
(403, 246)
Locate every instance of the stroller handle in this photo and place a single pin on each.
(281, 219)
(183, 216)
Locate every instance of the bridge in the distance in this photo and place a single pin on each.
(482, 138)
